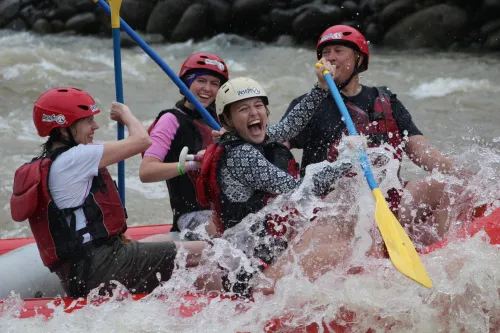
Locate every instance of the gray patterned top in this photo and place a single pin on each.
(247, 170)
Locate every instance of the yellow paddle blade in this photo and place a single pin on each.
(401, 250)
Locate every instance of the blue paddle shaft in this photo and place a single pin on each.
(149, 51)
(365, 163)
(119, 98)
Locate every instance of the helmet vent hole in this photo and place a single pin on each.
(204, 57)
(83, 107)
(62, 90)
(347, 33)
(225, 91)
(200, 63)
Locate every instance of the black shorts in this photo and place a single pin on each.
(135, 265)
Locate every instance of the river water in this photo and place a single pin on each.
(453, 98)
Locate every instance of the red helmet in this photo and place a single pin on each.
(207, 61)
(61, 107)
(347, 36)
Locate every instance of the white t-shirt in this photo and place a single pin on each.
(70, 179)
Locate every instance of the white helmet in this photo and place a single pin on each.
(236, 90)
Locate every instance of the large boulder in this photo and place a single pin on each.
(79, 5)
(248, 8)
(30, 15)
(282, 20)
(42, 26)
(493, 42)
(136, 13)
(85, 23)
(315, 19)
(218, 13)
(165, 16)
(490, 27)
(193, 24)
(17, 25)
(396, 11)
(434, 27)
(62, 13)
(8, 11)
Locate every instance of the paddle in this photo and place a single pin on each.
(401, 250)
(152, 54)
(115, 25)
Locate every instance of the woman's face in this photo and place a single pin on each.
(248, 117)
(83, 130)
(205, 89)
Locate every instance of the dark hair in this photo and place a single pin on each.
(180, 103)
(56, 135)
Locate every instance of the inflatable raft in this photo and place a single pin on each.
(36, 289)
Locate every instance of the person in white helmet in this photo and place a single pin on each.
(247, 165)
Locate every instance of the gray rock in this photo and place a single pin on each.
(17, 25)
(137, 12)
(42, 26)
(193, 24)
(63, 13)
(490, 27)
(395, 11)
(219, 14)
(493, 42)
(313, 21)
(349, 8)
(246, 8)
(79, 5)
(282, 19)
(165, 16)
(374, 33)
(85, 23)
(30, 15)
(297, 3)
(57, 26)
(434, 27)
(8, 10)
(490, 10)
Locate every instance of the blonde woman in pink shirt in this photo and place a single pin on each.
(179, 127)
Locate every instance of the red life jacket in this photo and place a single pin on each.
(379, 125)
(196, 135)
(57, 240)
(226, 213)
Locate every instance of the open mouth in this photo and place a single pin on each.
(204, 98)
(255, 127)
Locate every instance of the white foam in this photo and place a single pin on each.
(444, 86)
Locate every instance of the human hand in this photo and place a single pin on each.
(119, 112)
(321, 66)
(218, 134)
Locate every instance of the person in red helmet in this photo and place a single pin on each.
(179, 127)
(378, 114)
(73, 206)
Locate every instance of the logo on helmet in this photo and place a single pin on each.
(337, 35)
(251, 90)
(57, 118)
(94, 108)
(215, 63)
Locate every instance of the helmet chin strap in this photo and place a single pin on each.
(354, 72)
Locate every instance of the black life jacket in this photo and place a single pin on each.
(195, 134)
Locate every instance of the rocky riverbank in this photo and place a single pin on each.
(408, 24)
